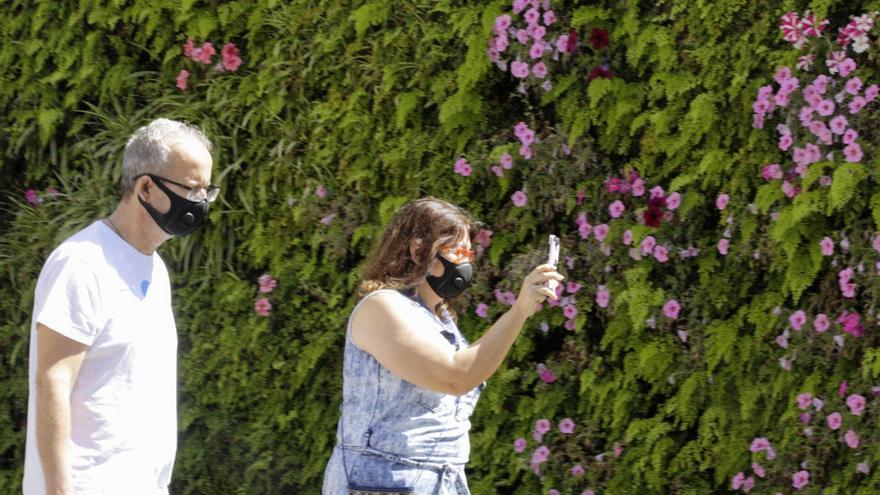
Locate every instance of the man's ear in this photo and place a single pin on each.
(143, 187)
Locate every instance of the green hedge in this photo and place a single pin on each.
(375, 101)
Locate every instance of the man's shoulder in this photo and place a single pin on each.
(80, 248)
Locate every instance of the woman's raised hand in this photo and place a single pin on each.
(534, 290)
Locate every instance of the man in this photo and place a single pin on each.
(103, 366)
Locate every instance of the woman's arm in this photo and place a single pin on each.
(426, 359)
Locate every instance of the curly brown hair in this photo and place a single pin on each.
(427, 223)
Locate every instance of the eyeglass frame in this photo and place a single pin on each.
(460, 253)
(211, 192)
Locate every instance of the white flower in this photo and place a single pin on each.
(864, 23)
(861, 44)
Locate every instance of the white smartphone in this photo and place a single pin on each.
(553, 259)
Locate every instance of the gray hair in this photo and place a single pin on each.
(148, 148)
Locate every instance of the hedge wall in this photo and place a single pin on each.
(713, 340)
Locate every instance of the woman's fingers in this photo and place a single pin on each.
(544, 291)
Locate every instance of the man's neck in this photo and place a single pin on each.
(129, 224)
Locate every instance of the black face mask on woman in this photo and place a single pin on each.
(455, 279)
(184, 216)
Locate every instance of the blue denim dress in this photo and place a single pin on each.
(394, 434)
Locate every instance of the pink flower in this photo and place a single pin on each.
(834, 420)
(850, 136)
(838, 124)
(785, 142)
(519, 5)
(540, 454)
(519, 69)
(506, 160)
(483, 238)
(500, 43)
(577, 470)
(671, 309)
(616, 209)
(628, 237)
(853, 86)
(204, 54)
(846, 67)
(267, 283)
(759, 444)
(547, 375)
(321, 191)
(519, 445)
(572, 287)
(851, 439)
(863, 468)
(827, 245)
(181, 79)
(600, 231)
(539, 70)
(525, 151)
(522, 36)
(502, 22)
(328, 219)
(549, 17)
(603, 297)
(748, 484)
(648, 244)
(856, 404)
(804, 400)
(759, 470)
(263, 307)
(825, 108)
(542, 426)
(532, 16)
(771, 171)
(566, 426)
(797, 319)
(782, 341)
(462, 167)
(638, 188)
(537, 50)
(482, 310)
(723, 246)
(737, 480)
(800, 479)
(519, 199)
(230, 57)
(673, 201)
(570, 311)
(721, 201)
(661, 254)
(821, 323)
(857, 104)
(570, 325)
(853, 153)
(32, 197)
(618, 449)
(871, 93)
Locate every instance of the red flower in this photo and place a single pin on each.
(599, 38)
(652, 216)
(600, 71)
(572, 41)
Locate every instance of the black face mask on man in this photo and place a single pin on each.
(184, 216)
(455, 279)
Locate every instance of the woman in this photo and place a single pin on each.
(410, 380)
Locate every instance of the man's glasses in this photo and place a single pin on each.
(192, 193)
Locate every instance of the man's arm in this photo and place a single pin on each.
(58, 362)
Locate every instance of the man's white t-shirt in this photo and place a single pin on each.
(98, 290)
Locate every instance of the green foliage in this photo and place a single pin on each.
(375, 100)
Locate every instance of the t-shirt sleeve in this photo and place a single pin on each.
(67, 299)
